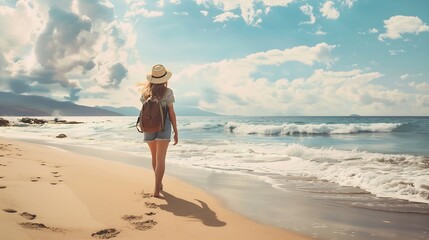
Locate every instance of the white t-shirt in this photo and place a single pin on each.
(167, 99)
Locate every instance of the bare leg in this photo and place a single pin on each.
(161, 152)
(152, 147)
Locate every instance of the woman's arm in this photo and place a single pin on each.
(172, 116)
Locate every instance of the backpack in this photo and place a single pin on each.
(152, 116)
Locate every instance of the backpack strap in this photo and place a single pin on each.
(137, 124)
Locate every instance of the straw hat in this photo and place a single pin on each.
(158, 75)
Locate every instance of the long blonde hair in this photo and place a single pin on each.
(154, 90)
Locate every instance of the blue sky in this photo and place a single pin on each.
(248, 57)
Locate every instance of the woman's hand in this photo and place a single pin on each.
(172, 116)
(176, 139)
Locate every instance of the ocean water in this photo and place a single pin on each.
(385, 156)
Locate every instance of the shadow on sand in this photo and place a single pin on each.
(183, 208)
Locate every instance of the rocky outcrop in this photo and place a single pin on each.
(43, 121)
(61, 135)
(56, 120)
(4, 122)
(33, 120)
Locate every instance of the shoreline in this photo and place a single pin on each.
(319, 215)
(75, 196)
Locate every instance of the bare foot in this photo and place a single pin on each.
(157, 195)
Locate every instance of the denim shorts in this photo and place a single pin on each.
(163, 135)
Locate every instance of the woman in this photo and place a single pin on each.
(158, 141)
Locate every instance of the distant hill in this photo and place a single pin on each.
(12, 104)
(180, 111)
(192, 111)
(126, 111)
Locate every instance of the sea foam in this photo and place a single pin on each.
(323, 128)
(385, 175)
(223, 145)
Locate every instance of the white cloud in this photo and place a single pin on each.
(348, 3)
(226, 16)
(421, 87)
(341, 93)
(373, 30)
(227, 86)
(398, 25)
(251, 10)
(421, 95)
(411, 76)
(145, 13)
(231, 87)
(277, 3)
(181, 13)
(422, 101)
(308, 10)
(320, 32)
(396, 52)
(329, 11)
(160, 3)
(67, 52)
(20, 26)
(404, 76)
(101, 10)
(306, 55)
(205, 13)
(137, 8)
(118, 46)
(249, 14)
(267, 10)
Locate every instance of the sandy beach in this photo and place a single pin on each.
(49, 193)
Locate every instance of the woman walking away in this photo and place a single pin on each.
(156, 87)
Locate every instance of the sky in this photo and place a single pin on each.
(234, 57)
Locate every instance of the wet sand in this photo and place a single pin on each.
(318, 209)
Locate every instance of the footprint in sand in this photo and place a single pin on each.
(146, 225)
(130, 218)
(28, 216)
(145, 195)
(3, 165)
(9, 210)
(31, 225)
(39, 226)
(106, 233)
(54, 183)
(139, 225)
(151, 205)
(1, 177)
(35, 179)
(150, 213)
(54, 172)
(3, 187)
